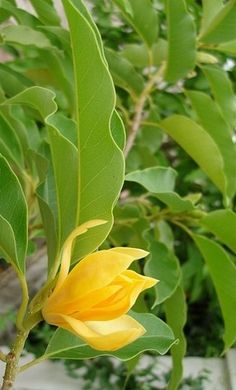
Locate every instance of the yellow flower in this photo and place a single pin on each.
(92, 299)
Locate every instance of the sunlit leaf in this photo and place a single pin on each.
(212, 121)
(100, 160)
(222, 223)
(223, 273)
(164, 266)
(181, 40)
(223, 92)
(189, 135)
(143, 18)
(161, 181)
(176, 316)
(220, 29)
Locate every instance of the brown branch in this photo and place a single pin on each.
(139, 109)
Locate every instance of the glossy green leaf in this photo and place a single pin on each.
(46, 195)
(210, 10)
(227, 47)
(222, 223)
(101, 163)
(143, 18)
(118, 130)
(212, 121)
(223, 274)
(66, 126)
(123, 73)
(164, 234)
(64, 158)
(46, 12)
(181, 41)
(65, 164)
(194, 274)
(223, 92)
(23, 17)
(158, 338)
(12, 118)
(125, 4)
(12, 82)
(189, 135)
(221, 27)
(24, 35)
(38, 98)
(13, 217)
(9, 143)
(60, 76)
(139, 55)
(150, 135)
(164, 266)
(176, 316)
(60, 34)
(7, 241)
(161, 181)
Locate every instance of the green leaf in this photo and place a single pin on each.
(223, 274)
(123, 73)
(23, 17)
(212, 121)
(210, 9)
(64, 158)
(164, 266)
(221, 27)
(12, 82)
(125, 4)
(9, 143)
(118, 130)
(227, 47)
(66, 126)
(60, 75)
(223, 92)
(189, 136)
(46, 12)
(38, 98)
(158, 338)
(161, 181)
(60, 34)
(24, 35)
(144, 19)
(139, 55)
(176, 316)
(101, 164)
(65, 166)
(13, 217)
(46, 195)
(222, 223)
(181, 41)
(7, 241)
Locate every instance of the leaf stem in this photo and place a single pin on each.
(182, 226)
(32, 363)
(25, 299)
(139, 107)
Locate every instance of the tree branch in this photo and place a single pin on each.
(139, 108)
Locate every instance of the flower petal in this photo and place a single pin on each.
(67, 248)
(121, 301)
(134, 252)
(97, 270)
(104, 335)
